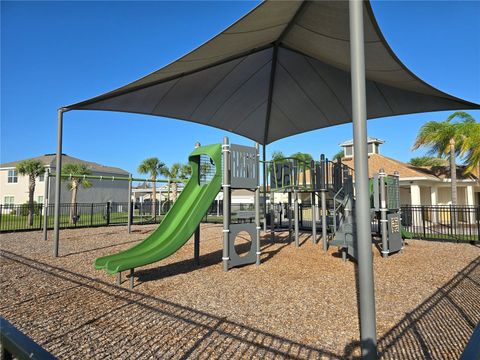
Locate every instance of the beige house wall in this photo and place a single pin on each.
(18, 190)
(101, 190)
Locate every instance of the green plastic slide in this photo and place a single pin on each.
(181, 221)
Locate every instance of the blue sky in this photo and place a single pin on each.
(58, 53)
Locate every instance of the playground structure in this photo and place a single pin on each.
(332, 183)
(214, 167)
(229, 166)
(215, 85)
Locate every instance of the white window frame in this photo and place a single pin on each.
(14, 176)
(38, 199)
(348, 149)
(370, 148)
(41, 178)
(8, 204)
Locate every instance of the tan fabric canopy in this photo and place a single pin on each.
(281, 70)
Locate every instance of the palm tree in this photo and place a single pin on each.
(278, 155)
(306, 158)
(446, 139)
(427, 161)
(339, 155)
(470, 147)
(32, 169)
(75, 171)
(172, 173)
(185, 171)
(154, 167)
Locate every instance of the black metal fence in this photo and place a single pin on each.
(449, 223)
(15, 217)
(439, 222)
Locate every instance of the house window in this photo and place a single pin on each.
(348, 151)
(370, 148)
(41, 178)
(8, 202)
(12, 177)
(40, 199)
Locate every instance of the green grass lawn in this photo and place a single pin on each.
(444, 237)
(9, 222)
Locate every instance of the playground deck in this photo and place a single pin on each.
(300, 303)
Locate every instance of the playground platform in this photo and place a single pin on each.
(300, 303)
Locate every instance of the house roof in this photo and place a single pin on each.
(377, 162)
(443, 172)
(50, 159)
(369, 140)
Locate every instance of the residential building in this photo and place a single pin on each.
(419, 185)
(14, 187)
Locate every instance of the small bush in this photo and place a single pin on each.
(24, 209)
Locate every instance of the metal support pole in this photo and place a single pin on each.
(295, 211)
(129, 203)
(289, 216)
(45, 205)
(132, 278)
(272, 217)
(368, 336)
(226, 202)
(264, 147)
(257, 205)
(314, 219)
(196, 245)
(58, 183)
(323, 193)
(383, 212)
(314, 213)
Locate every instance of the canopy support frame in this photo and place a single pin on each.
(58, 181)
(368, 336)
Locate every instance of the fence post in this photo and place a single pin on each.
(40, 209)
(108, 213)
(91, 214)
(46, 201)
(422, 212)
(451, 221)
(132, 209)
(477, 210)
(129, 201)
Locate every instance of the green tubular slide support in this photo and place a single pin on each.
(179, 223)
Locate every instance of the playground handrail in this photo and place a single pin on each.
(335, 209)
(17, 345)
(121, 178)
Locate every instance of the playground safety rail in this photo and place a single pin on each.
(16, 345)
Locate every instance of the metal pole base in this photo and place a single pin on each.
(132, 278)
(196, 246)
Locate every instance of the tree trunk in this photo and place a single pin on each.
(175, 191)
(73, 203)
(31, 191)
(453, 172)
(154, 198)
(168, 194)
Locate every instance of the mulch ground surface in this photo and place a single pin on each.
(300, 303)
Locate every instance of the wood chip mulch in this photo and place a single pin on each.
(300, 303)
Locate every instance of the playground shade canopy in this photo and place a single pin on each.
(282, 69)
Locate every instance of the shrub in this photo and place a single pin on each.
(23, 211)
